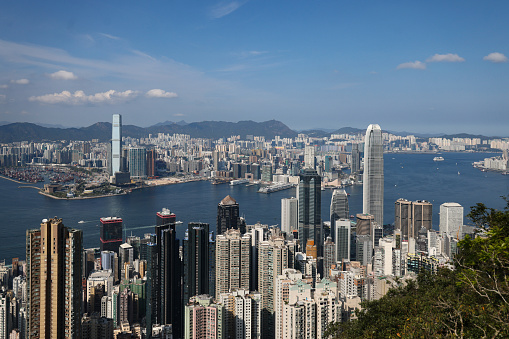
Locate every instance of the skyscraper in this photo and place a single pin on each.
(138, 162)
(111, 234)
(196, 260)
(116, 144)
(310, 204)
(338, 209)
(309, 157)
(232, 261)
(151, 163)
(289, 214)
(373, 179)
(410, 216)
(54, 255)
(343, 230)
(227, 215)
(356, 159)
(451, 219)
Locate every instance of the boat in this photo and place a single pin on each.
(239, 182)
(81, 222)
(438, 159)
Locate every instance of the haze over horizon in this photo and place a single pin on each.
(431, 67)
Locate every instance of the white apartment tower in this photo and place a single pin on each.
(373, 179)
(451, 219)
(289, 214)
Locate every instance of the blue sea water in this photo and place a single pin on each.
(409, 176)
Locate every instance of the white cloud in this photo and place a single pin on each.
(20, 82)
(159, 93)
(224, 8)
(63, 75)
(79, 97)
(495, 57)
(109, 36)
(412, 65)
(445, 58)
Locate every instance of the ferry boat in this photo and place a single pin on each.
(275, 187)
(438, 159)
(239, 182)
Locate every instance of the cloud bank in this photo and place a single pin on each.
(80, 98)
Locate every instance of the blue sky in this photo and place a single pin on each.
(421, 66)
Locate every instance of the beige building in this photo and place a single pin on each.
(54, 280)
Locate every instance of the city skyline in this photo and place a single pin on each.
(441, 66)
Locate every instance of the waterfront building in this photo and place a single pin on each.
(373, 177)
(289, 214)
(411, 216)
(451, 220)
(138, 162)
(242, 314)
(116, 145)
(232, 261)
(203, 319)
(310, 203)
(228, 216)
(338, 209)
(54, 282)
(151, 163)
(197, 260)
(110, 234)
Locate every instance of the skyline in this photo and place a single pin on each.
(433, 67)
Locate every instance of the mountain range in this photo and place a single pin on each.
(23, 131)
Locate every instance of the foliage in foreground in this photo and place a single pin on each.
(470, 302)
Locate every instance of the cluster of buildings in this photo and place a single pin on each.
(239, 281)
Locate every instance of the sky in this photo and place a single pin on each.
(417, 66)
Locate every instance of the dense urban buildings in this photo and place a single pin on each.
(373, 178)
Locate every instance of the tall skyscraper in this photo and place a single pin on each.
(356, 159)
(5, 314)
(138, 162)
(289, 214)
(232, 261)
(116, 144)
(228, 215)
(410, 216)
(309, 157)
(151, 163)
(373, 179)
(54, 285)
(343, 230)
(451, 219)
(170, 268)
(338, 209)
(111, 234)
(310, 206)
(196, 260)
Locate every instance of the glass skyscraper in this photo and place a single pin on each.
(373, 179)
(116, 144)
(310, 202)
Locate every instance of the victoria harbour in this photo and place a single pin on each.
(408, 176)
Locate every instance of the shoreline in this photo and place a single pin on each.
(16, 181)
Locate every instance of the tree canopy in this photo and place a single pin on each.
(471, 301)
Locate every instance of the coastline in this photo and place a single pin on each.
(16, 181)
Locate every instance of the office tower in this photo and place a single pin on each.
(343, 231)
(289, 214)
(243, 314)
(54, 280)
(138, 162)
(451, 219)
(111, 234)
(364, 224)
(228, 215)
(274, 256)
(309, 157)
(203, 319)
(373, 179)
(5, 314)
(310, 204)
(356, 159)
(364, 249)
(170, 268)
(152, 302)
(267, 173)
(329, 256)
(257, 235)
(410, 216)
(107, 260)
(88, 261)
(126, 253)
(196, 260)
(116, 144)
(232, 261)
(377, 233)
(215, 160)
(151, 163)
(338, 209)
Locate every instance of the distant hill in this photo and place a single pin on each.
(102, 130)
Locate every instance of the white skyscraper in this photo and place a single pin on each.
(116, 144)
(451, 219)
(309, 157)
(289, 214)
(373, 179)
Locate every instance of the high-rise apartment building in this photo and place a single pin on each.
(289, 214)
(309, 157)
(373, 178)
(411, 216)
(111, 234)
(232, 261)
(54, 255)
(451, 219)
(310, 207)
(5, 314)
(138, 162)
(242, 314)
(338, 209)
(116, 144)
(203, 319)
(228, 215)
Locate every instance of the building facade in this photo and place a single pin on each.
(373, 177)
